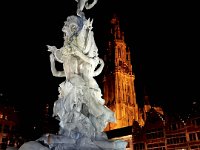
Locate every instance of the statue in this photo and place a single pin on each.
(84, 3)
(80, 60)
(80, 107)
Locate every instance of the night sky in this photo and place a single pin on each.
(163, 37)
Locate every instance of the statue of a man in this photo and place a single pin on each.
(84, 3)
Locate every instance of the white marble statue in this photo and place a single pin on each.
(79, 56)
(80, 108)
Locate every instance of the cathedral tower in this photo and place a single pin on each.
(119, 91)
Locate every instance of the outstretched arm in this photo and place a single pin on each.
(53, 68)
(89, 6)
(99, 70)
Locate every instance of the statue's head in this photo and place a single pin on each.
(72, 27)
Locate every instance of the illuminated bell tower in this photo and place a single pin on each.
(119, 91)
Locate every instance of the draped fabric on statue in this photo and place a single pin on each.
(80, 107)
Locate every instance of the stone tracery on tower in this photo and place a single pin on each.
(119, 91)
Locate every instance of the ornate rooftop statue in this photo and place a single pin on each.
(80, 107)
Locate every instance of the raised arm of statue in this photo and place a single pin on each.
(84, 57)
(93, 61)
(53, 68)
(84, 3)
(89, 6)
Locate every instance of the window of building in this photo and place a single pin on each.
(120, 63)
(139, 146)
(196, 122)
(173, 126)
(156, 146)
(154, 133)
(198, 135)
(182, 139)
(192, 136)
(195, 147)
(176, 138)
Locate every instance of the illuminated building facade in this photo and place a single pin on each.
(8, 122)
(119, 92)
(48, 123)
(148, 128)
(167, 132)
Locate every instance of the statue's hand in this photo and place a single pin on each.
(51, 48)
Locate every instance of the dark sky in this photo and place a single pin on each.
(163, 37)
